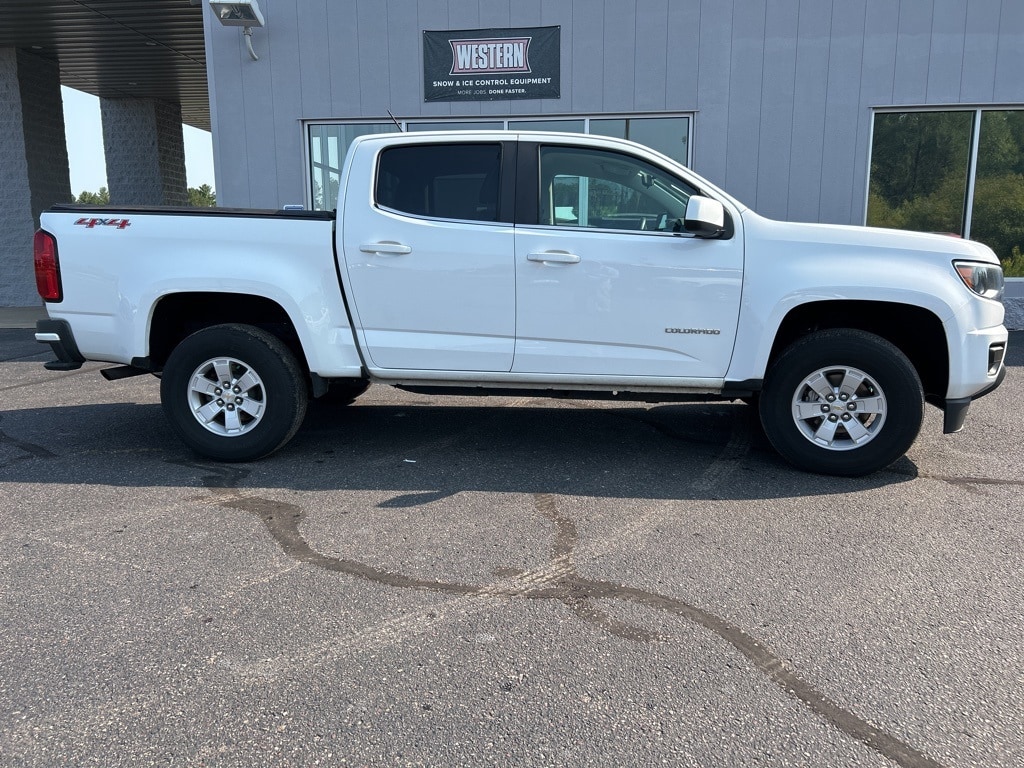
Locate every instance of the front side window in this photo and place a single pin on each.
(608, 190)
(444, 181)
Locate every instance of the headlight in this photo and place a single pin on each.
(984, 279)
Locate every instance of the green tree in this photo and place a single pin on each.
(202, 196)
(94, 198)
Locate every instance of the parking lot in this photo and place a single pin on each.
(450, 581)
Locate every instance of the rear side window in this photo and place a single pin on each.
(443, 181)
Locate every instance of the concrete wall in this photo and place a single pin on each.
(33, 165)
(145, 152)
(782, 89)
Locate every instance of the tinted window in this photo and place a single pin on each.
(609, 190)
(445, 181)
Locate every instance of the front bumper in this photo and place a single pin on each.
(955, 409)
(57, 333)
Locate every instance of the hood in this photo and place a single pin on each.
(852, 238)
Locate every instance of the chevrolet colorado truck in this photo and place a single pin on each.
(558, 264)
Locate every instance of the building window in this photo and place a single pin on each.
(327, 147)
(327, 143)
(668, 135)
(955, 171)
(997, 213)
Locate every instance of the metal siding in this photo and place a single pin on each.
(463, 14)
(711, 124)
(261, 143)
(777, 102)
(842, 110)
(913, 46)
(810, 92)
(618, 56)
(650, 57)
(878, 69)
(405, 59)
(585, 89)
(681, 58)
(313, 59)
(227, 108)
(1009, 87)
(558, 13)
(945, 60)
(346, 72)
(286, 103)
(374, 58)
(877, 75)
(745, 89)
(978, 78)
(495, 14)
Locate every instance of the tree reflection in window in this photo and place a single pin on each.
(919, 165)
(920, 177)
(998, 212)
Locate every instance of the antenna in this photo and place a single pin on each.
(395, 120)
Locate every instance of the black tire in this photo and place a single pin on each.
(837, 437)
(267, 384)
(344, 391)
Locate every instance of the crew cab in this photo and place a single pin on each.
(560, 264)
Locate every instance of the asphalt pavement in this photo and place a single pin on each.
(451, 581)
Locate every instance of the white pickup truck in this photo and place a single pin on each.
(566, 265)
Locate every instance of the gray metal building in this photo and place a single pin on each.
(779, 96)
(804, 109)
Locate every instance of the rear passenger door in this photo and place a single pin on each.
(429, 250)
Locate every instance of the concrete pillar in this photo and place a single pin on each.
(145, 152)
(33, 165)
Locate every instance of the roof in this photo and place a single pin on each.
(140, 49)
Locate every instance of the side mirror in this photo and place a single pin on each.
(704, 217)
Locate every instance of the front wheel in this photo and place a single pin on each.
(842, 402)
(233, 392)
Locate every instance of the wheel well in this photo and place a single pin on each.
(916, 331)
(179, 315)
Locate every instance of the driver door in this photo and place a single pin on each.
(608, 284)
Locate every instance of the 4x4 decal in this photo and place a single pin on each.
(89, 223)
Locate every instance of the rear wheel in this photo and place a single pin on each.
(233, 392)
(842, 402)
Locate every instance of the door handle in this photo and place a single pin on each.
(396, 249)
(554, 257)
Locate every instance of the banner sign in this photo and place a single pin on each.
(492, 64)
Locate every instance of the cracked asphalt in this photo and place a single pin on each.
(427, 580)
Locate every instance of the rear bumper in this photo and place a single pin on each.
(57, 333)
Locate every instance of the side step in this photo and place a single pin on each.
(122, 372)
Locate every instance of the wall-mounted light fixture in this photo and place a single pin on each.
(240, 13)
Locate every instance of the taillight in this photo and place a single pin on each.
(44, 248)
